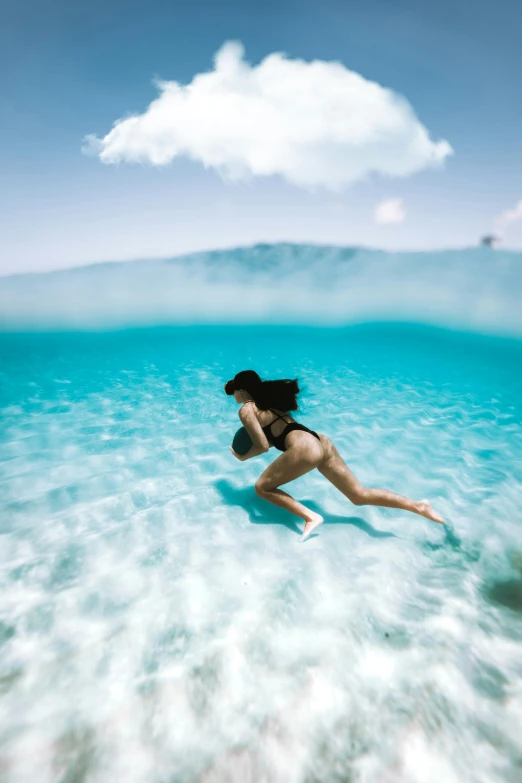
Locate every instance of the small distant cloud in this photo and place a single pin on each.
(389, 211)
(507, 218)
(316, 124)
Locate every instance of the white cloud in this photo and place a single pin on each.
(389, 211)
(510, 216)
(312, 123)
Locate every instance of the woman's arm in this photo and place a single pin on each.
(255, 451)
(250, 423)
(260, 444)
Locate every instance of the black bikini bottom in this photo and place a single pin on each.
(279, 440)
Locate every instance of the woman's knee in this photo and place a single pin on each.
(261, 487)
(359, 497)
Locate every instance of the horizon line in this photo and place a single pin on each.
(253, 245)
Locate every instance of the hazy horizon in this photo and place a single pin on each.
(260, 243)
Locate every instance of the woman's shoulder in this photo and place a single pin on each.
(247, 409)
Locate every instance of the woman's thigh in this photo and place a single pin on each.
(335, 469)
(292, 463)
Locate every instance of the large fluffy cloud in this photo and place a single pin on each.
(313, 123)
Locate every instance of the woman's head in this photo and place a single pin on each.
(281, 394)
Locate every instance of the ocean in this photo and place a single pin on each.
(160, 623)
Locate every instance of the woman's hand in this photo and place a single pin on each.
(255, 451)
(236, 455)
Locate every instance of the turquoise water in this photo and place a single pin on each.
(161, 623)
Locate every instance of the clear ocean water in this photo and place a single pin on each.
(159, 623)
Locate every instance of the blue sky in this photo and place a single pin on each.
(74, 69)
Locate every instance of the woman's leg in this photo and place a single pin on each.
(338, 474)
(290, 465)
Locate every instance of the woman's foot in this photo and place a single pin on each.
(312, 521)
(425, 510)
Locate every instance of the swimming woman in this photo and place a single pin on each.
(264, 413)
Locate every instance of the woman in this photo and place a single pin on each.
(264, 414)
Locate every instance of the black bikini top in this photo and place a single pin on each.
(276, 440)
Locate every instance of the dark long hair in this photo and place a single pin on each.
(281, 394)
